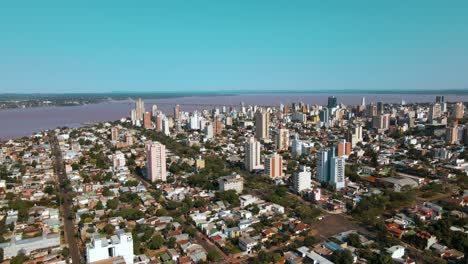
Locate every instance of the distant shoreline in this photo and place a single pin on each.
(27, 101)
(120, 95)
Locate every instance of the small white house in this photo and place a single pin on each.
(396, 252)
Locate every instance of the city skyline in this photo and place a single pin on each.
(56, 47)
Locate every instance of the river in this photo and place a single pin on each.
(24, 122)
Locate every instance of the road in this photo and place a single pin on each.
(68, 224)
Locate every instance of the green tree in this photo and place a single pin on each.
(353, 240)
(131, 183)
(99, 206)
(342, 257)
(108, 229)
(229, 196)
(190, 231)
(65, 252)
(214, 256)
(112, 204)
(19, 259)
(309, 241)
(49, 189)
(156, 242)
(106, 192)
(172, 242)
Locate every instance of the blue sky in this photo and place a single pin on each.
(100, 46)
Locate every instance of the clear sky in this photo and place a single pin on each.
(156, 45)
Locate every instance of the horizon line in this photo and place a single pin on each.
(245, 91)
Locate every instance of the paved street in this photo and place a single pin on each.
(68, 224)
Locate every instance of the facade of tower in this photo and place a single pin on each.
(458, 111)
(274, 166)
(252, 154)
(262, 120)
(332, 102)
(156, 162)
(147, 121)
(282, 138)
(302, 179)
(177, 112)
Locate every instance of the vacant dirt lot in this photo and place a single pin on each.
(333, 224)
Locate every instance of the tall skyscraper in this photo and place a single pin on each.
(324, 115)
(337, 172)
(159, 121)
(363, 101)
(274, 166)
(282, 138)
(209, 130)
(358, 132)
(330, 168)
(458, 110)
(252, 154)
(380, 108)
(332, 102)
(434, 112)
(440, 99)
(262, 120)
(165, 126)
(302, 179)
(154, 110)
(140, 109)
(114, 133)
(344, 148)
(452, 134)
(156, 162)
(177, 112)
(296, 145)
(371, 110)
(323, 167)
(147, 121)
(218, 127)
(133, 116)
(129, 139)
(381, 122)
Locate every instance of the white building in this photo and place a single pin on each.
(28, 246)
(396, 252)
(337, 172)
(252, 155)
(248, 199)
(209, 130)
(296, 145)
(103, 248)
(232, 182)
(247, 244)
(118, 159)
(262, 120)
(195, 119)
(302, 179)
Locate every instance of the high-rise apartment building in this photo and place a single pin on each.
(458, 110)
(302, 179)
(262, 120)
(114, 133)
(147, 121)
(156, 162)
(282, 138)
(252, 155)
(330, 168)
(274, 166)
